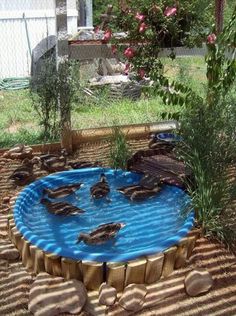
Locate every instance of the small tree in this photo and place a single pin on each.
(44, 90)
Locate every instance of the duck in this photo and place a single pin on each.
(61, 208)
(101, 234)
(54, 163)
(101, 188)
(19, 151)
(83, 164)
(62, 191)
(24, 174)
(139, 192)
(128, 190)
(142, 193)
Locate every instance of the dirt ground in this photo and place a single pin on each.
(167, 297)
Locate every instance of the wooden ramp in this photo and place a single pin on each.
(161, 163)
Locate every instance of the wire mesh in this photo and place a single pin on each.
(23, 24)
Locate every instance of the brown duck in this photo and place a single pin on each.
(54, 163)
(62, 191)
(61, 208)
(143, 193)
(101, 234)
(138, 192)
(101, 188)
(24, 174)
(83, 164)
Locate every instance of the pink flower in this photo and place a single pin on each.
(170, 11)
(113, 49)
(129, 52)
(211, 38)
(142, 27)
(107, 35)
(141, 72)
(126, 70)
(139, 16)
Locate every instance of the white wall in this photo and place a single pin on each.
(15, 59)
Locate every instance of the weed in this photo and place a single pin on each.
(119, 152)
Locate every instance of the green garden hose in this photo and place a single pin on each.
(14, 83)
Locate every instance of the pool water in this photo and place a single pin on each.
(151, 225)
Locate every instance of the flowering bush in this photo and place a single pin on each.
(161, 23)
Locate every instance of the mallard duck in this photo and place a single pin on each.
(61, 208)
(83, 164)
(138, 192)
(143, 193)
(128, 190)
(24, 174)
(19, 151)
(101, 188)
(62, 191)
(101, 234)
(53, 163)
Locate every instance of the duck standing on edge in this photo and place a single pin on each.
(54, 163)
(62, 191)
(61, 208)
(24, 174)
(101, 234)
(83, 164)
(101, 188)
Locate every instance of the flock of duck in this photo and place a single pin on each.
(148, 187)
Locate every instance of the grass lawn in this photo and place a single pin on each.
(19, 122)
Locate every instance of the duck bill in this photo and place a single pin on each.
(122, 225)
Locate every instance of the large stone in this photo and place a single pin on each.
(197, 282)
(51, 296)
(8, 251)
(107, 294)
(133, 297)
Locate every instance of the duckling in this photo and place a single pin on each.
(48, 157)
(101, 234)
(101, 188)
(128, 190)
(143, 194)
(62, 191)
(61, 208)
(54, 163)
(24, 174)
(83, 164)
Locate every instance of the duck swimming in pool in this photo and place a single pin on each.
(101, 234)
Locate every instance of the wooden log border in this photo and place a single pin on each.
(84, 136)
(148, 269)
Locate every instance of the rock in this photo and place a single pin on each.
(133, 297)
(8, 251)
(107, 294)
(6, 200)
(52, 296)
(197, 282)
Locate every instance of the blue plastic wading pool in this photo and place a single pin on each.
(151, 225)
